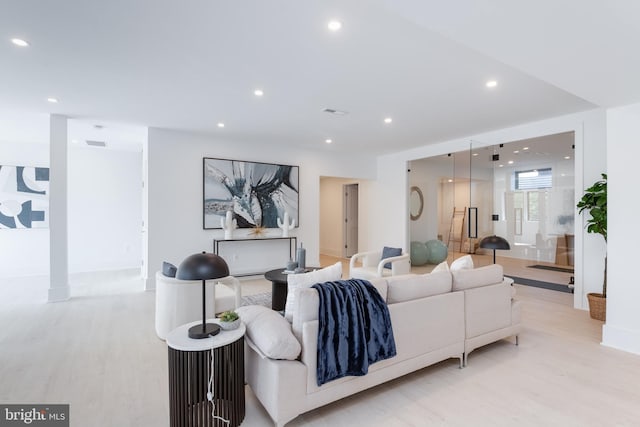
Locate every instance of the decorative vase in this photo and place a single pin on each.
(228, 326)
(286, 224)
(301, 255)
(291, 265)
(228, 224)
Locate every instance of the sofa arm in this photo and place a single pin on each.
(280, 385)
(368, 259)
(399, 265)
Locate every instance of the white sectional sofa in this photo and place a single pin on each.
(434, 317)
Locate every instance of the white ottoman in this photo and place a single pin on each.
(180, 301)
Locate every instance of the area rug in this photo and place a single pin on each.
(550, 268)
(257, 299)
(545, 285)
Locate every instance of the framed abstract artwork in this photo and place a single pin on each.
(257, 193)
(24, 197)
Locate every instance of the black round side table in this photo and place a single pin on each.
(189, 372)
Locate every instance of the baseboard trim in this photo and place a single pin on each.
(621, 339)
(59, 294)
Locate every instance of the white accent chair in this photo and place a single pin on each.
(373, 266)
(180, 301)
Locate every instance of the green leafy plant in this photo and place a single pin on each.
(229, 316)
(594, 201)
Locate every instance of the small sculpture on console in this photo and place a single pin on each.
(286, 225)
(228, 224)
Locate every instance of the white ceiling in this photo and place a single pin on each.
(190, 65)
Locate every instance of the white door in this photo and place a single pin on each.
(350, 220)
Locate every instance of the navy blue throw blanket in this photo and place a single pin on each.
(354, 329)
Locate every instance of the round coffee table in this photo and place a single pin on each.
(278, 279)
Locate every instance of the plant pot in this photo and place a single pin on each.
(227, 326)
(597, 306)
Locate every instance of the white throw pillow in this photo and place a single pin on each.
(443, 266)
(306, 280)
(462, 263)
(270, 332)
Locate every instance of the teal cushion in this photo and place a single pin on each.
(390, 252)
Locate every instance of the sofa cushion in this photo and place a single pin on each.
(168, 269)
(443, 266)
(462, 263)
(270, 332)
(477, 277)
(306, 280)
(410, 287)
(388, 252)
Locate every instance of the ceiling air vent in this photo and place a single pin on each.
(96, 143)
(334, 111)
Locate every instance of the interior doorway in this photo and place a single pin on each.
(339, 218)
(350, 235)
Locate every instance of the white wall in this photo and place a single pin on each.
(622, 329)
(104, 203)
(105, 209)
(174, 187)
(388, 223)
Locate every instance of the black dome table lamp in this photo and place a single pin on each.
(494, 242)
(203, 267)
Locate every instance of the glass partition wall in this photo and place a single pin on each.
(522, 191)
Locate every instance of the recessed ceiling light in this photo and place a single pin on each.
(52, 100)
(220, 125)
(334, 25)
(328, 140)
(258, 92)
(388, 120)
(491, 83)
(475, 154)
(525, 148)
(510, 162)
(516, 151)
(449, 180)
(20, 42)
(567, 157)
(500, 166)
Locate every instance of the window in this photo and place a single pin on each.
(533, 198)
(534, 179)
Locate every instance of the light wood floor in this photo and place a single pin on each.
(99, 353)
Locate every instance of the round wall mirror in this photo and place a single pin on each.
(416, 201)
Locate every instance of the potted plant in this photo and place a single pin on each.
(229, 320)
(594, 201)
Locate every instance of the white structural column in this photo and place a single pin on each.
(622, 328)
(58, 236)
